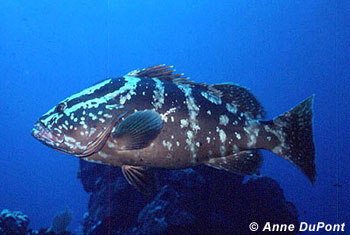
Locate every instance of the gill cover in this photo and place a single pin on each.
(102, 134)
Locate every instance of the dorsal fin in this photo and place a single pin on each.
(162, 72)
(165, 73)
(241, 98)
(236, 95)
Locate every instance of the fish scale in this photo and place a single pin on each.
(155, 118)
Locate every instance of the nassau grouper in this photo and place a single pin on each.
(155, 118)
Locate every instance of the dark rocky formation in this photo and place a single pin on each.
(192, 201)
(16, 223)
(13, 222)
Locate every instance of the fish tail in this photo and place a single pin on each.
(293, 130)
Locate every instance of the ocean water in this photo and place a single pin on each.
(284, 51)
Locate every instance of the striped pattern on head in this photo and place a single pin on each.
(80, 124)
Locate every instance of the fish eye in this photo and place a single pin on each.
(60, 107)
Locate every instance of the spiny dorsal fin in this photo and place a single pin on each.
(166, 73)
(162, 72)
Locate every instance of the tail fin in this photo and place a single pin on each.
(294, 131)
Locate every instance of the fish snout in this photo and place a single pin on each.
(37, 130)
(41, 133)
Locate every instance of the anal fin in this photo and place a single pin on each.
(139, 177)
(242, 163)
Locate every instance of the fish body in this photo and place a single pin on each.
(154, 118)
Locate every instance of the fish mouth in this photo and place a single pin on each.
(41, 133)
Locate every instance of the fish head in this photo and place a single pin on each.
(81, 124)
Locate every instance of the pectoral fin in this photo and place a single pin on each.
(138, 130)
(139, 177)
(242, 163)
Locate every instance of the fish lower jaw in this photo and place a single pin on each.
(42, 134)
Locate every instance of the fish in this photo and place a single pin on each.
(155, 118)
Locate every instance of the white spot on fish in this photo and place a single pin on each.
(223, 120)
(208, 139)
(232, 108)
(211, 97)
(277, 150)
(167, 144)
(252, 132)
(193, 109)
(58, 129)
(209, 112)
(106, 115)
(238, 136)
(69, 139)
(183, 123)
(102, 154)
(190, 143)
(113, 106)
(158, 97)
(222, 136)
(93, 117)
(164, 115)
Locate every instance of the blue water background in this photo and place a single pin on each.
(284, 51)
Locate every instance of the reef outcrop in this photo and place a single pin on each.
(13, 222)
(191, 201)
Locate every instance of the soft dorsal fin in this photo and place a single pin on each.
(138, 130)
(242, 163)
(241, 98)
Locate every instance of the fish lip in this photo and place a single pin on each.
(37, 130)
(41, 133)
